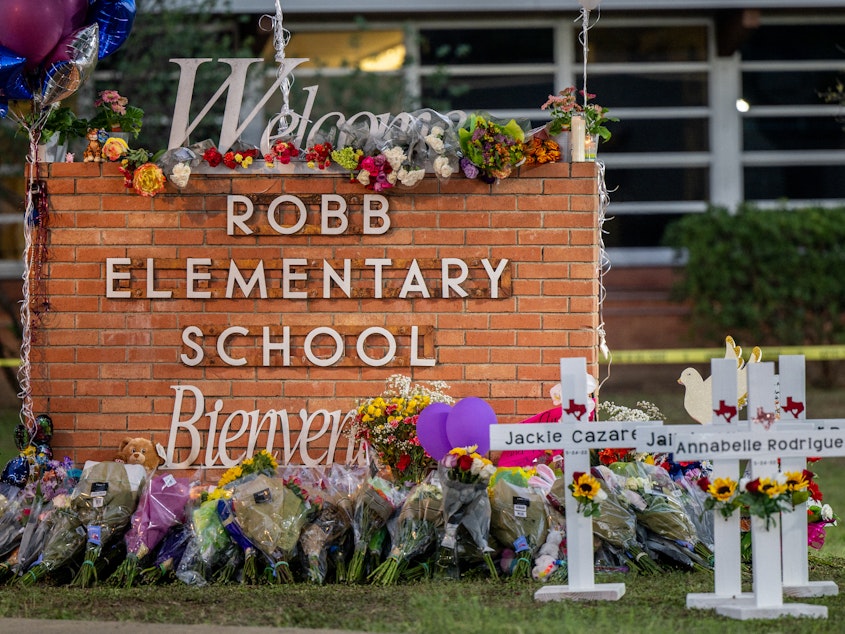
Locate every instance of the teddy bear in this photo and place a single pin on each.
(138, 451)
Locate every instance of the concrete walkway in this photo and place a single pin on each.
(44, 626)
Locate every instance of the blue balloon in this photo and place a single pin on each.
(16, 472)
(115, 19)
(12, 79)
(4, 108)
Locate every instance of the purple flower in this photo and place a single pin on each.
(468, 168)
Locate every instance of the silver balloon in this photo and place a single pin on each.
(64, 78)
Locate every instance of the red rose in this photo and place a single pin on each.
(703, 483)
(404, 462)
(814, 490)
(753, 486)
(212, 157)
(465, 462)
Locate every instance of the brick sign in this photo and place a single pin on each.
(254, 310)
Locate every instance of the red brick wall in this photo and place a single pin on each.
(105, 367)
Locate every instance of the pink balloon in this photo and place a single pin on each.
(469, 424)
(31, 28)
(76, 13)
(431, 430)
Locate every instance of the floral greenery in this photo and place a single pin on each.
(388, 424)
(114, 111)
(493, 148)
(596, 119)
(765, 498)
(64, 122)
(587, 492)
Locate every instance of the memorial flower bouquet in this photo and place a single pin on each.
(766, 498)
(664, 513)
(210, 554)
(441, 140)
(331, 523)
(587, 492)
(162, 506)
(490, 149)
(519, 517)
(388, 424)
(229, 520)
(414, 532)
(722, 495)
(616, 523)
(464, 476)
(374, 505)
(282, 152)
(272, 513)
(819, 516)
(169, 555)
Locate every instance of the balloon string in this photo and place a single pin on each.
(585, 48)
(281, 38)
(603, 269)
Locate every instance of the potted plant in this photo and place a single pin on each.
(61, 126)
(561, 107)
(114, 114)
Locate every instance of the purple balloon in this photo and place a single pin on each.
(469, 424)
(76, 15)
(431, 430)
(31, 29)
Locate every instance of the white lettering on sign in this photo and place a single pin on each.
(271, 345)
(249, 427)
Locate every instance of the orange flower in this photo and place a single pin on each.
(148, 179)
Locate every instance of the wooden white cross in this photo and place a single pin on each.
(576, 436)
(763, 443)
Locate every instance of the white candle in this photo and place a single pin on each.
(577, 139)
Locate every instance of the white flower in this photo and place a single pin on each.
(435, 143)
(409, 178)
(487, 471)
(181, 174)
(443, 167)
(477, 466)
(364, 177)
(395, 156)
(438, 131)
(826, 513)
(632, 483)
(391, 178)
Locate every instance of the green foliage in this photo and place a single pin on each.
(65, 123)
(768, 277)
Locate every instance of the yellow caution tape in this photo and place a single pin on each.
(703, 355)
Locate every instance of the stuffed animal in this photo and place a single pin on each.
(94, 151)
(138, 451)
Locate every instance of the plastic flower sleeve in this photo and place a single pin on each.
(441, 143)
(374, 505)
(12, 517)
(161, 506)
(272, 516)
(236, 533)
(209, 549)
(169, 555)
(413, 533)
(105, 499)
(64, 544)
(519, 518)
(329, 526)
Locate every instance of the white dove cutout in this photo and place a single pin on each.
(698, 394)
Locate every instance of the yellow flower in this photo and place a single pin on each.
(586, 486)
(246, 162)
(722, 489)
(795, 481)
(115, 148)
(772, 488)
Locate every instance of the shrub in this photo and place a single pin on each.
(768, 277)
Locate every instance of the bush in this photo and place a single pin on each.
(766, 277)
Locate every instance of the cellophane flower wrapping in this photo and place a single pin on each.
(168, 556)
(331, 522)
(616, 525)
(441, 143)
(664, 514)
(251, 556)
(414, 532)
(348, 480)
(405, 149)
(466, 516)
(99, 508)
(210, 554)
(162, 505)
(519, 518)
(12, 518)
(374, 505)
(271, 515)
(105, 500)
(54, 480)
